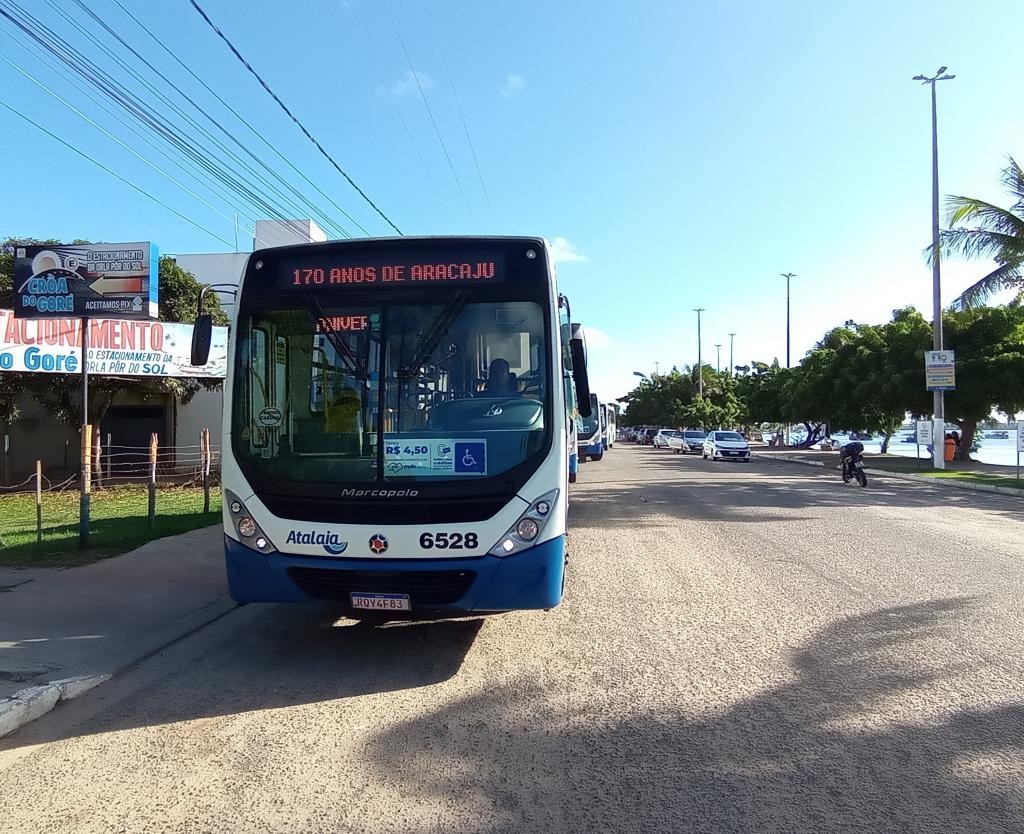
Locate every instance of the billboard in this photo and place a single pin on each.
(116, 347)
(91, 280)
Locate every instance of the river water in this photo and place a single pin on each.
(992, 451)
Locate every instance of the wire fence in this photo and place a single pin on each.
(122, 496)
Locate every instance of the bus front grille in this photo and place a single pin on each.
(425, 588)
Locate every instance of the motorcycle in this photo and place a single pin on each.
(852, 461)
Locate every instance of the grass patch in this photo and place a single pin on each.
(119, 523)
(975, 478)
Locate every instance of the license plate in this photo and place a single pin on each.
(381, 602)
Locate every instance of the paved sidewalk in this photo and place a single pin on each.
(94, 620)
(888, 462)
(992, 479)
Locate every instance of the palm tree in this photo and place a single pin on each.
(996, 234)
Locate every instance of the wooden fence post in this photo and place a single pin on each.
(39, 502)
(153, 441)
(97, 459)
(85, 487)
(204, 443)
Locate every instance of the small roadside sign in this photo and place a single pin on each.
(924, 432)
(940, 370)
(1020, 445)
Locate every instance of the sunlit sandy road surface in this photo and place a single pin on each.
(743, 648)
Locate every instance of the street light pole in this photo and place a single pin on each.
(939, 406)
(700, 361)
(718, 358)
(787, 276)
(732, 367)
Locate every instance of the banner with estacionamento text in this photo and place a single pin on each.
(117, 347)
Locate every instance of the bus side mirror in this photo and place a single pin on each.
(202, 338)
(580, 378)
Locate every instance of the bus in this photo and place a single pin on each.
(575, 418)
(396, 425)
(591, 439)
(611, 432)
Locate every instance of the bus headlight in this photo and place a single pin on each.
(529, 526)
(527, 529)
(245, 526)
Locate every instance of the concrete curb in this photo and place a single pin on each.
(35, 701)
(904, 476)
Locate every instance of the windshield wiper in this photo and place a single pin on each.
(432, 336)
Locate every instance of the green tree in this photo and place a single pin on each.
(989, 345)
(981, 230)
(61, 393)
(659, 400)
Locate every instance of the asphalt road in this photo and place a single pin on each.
(743, 648)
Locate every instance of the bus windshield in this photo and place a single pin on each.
(368, 392)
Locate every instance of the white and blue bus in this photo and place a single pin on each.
(591, 441)
(397, 421)
(611, 431)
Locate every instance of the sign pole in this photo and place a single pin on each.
(84, 486)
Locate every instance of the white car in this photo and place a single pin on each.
(726, 445)
(661, 439)
(687, 442)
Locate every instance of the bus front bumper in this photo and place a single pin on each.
(530, 579)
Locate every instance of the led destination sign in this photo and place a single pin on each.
(355, 273)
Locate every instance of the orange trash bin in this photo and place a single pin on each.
(950, 450)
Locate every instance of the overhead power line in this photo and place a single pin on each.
(133, 104)
(387, 89)
(458, 104)
(302, 206)
(430, 112)
(236, 114)
(291, 115)
(111, 136)
(112, 173)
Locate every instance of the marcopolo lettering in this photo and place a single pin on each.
(379, 493)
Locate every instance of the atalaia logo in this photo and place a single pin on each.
(331, 542)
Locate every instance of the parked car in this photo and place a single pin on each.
(647, 437)
(662, 436)
(688, 441)
(726, 445)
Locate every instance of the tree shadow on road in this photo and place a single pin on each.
(841, 747)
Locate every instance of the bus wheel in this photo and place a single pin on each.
(597, 457)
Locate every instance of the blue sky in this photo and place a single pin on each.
(682, 154)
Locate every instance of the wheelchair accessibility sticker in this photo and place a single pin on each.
(471, 456)
(421, 456)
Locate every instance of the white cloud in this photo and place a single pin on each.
(513, 84)
(406, 85)
(564, 252)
